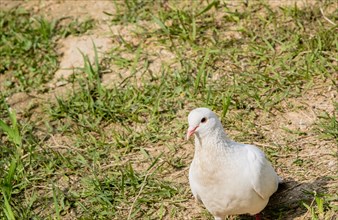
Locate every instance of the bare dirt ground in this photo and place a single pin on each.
(308, 107)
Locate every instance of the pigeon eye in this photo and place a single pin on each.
(203, 120)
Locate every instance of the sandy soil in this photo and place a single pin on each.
(312, 104)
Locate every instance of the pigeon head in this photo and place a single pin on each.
(202, 121)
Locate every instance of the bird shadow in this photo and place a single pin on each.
(287, 202)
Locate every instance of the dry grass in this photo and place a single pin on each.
(106, 141)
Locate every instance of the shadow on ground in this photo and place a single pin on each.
(286, 203)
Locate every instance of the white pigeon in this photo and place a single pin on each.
(229, 178)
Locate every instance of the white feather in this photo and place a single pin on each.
(229, 178)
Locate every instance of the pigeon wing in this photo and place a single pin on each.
(263, 177)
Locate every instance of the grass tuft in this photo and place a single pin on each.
(116, 149)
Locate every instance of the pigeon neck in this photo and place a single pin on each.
(215, 135)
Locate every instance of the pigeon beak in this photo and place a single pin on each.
(191, 131)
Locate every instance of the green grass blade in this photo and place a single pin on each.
(226, 103)
(8, 209)
(56, 203)
(5, 127)
(212, 4)
(161, 24)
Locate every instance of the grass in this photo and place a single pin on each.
(28, 40)
(320, 207)
(119, 152)
(28, 48)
